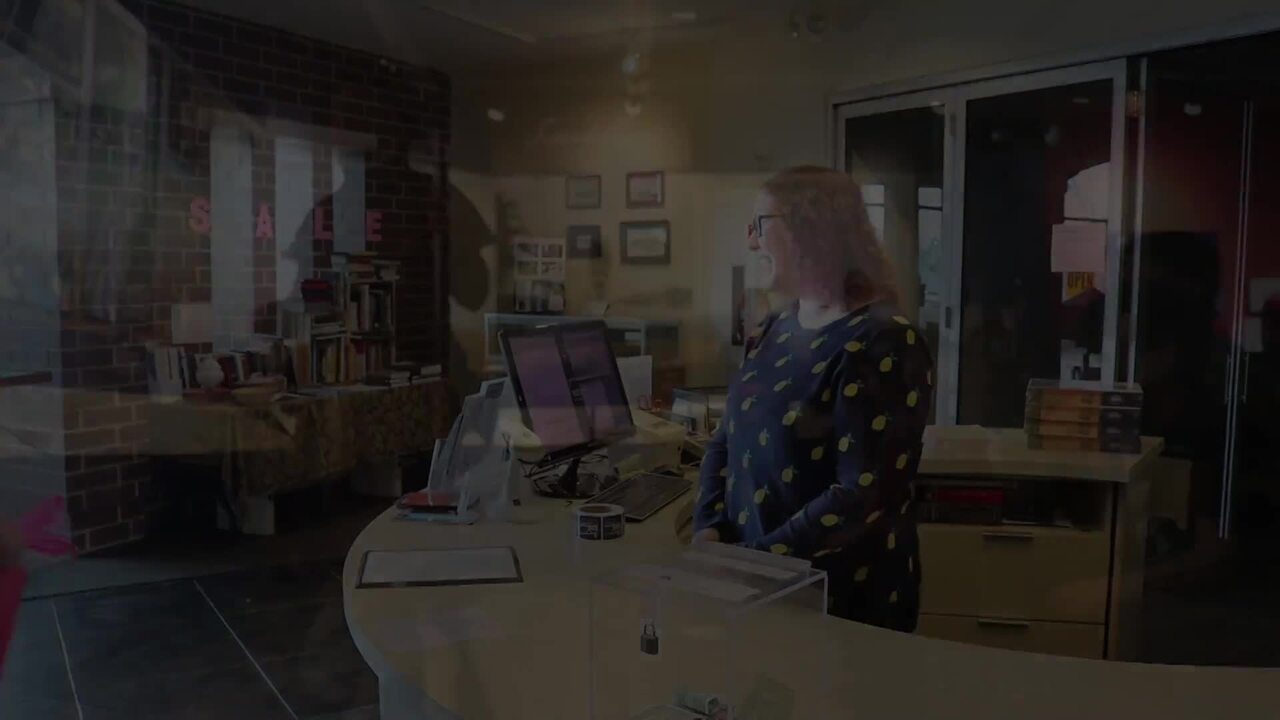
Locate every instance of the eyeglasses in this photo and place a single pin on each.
(757, 224)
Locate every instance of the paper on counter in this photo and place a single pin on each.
(439, 567)
(1078, 247)
(767, 571)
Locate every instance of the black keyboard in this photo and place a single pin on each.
(643, 494)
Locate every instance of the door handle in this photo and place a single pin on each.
(1014, 535)
(1007, 624)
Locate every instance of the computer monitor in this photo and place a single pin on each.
(568, 388)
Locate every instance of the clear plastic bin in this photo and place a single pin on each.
(710, 631)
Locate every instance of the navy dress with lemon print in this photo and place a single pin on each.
(816, 455)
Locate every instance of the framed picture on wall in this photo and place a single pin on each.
(645, 243)
(582, 192)
(646, 189)
(583, 241)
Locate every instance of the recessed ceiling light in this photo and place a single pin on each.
(684, 15)
(496, 115)
(1193, 109)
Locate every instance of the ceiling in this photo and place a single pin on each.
(542, 22)
(456, 33)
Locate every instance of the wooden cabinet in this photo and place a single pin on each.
(1037, 589)
(1015, 572)
(1073, 589)
(1054, 638)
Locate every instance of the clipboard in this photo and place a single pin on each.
(439, 567)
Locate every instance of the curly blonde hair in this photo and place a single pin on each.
(834, 239)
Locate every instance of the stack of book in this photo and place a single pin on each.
(403, 373)
(1104, 417)
(388, 378)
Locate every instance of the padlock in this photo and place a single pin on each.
(649, 640)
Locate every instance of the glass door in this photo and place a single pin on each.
(897, 150)
(1251, 500)
(1208, 348)
(1191, 248)
(1000, 203)
(1042, 160)
(1209, 302)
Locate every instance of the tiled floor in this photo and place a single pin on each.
(307, 531)
(272, 643)
(247, 645)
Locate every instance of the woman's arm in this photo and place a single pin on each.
(709, 511)
(710, 516)
(880, 405)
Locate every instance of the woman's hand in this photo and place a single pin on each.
(706, 535)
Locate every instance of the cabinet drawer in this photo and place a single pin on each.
(1037, 573)
(1051, 638)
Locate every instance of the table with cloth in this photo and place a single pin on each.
(297, 442)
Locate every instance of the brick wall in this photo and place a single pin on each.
(127, 251)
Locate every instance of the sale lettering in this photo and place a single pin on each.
(198, 219)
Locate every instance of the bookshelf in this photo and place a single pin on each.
(346, 330)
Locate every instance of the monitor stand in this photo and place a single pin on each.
(578, 484)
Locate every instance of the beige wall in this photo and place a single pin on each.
(718, 118)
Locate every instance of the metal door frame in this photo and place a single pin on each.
(1237, 390)
(947, 355)
(1117, 72)
(956, 98)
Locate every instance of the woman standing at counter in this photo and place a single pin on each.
(821, 436)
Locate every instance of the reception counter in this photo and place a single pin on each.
(522, 650)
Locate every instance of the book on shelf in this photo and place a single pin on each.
(186, 376)
(385, 379)
(164, 372)
(416, 370)
(318, 292)
(327, 360)
(298, 363)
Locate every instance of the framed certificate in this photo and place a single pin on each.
(583, 241)
(646, 189)
(646, 243)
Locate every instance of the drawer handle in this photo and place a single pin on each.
(1008, 535)
(1010, 624)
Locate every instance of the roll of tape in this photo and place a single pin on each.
(598, 521)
